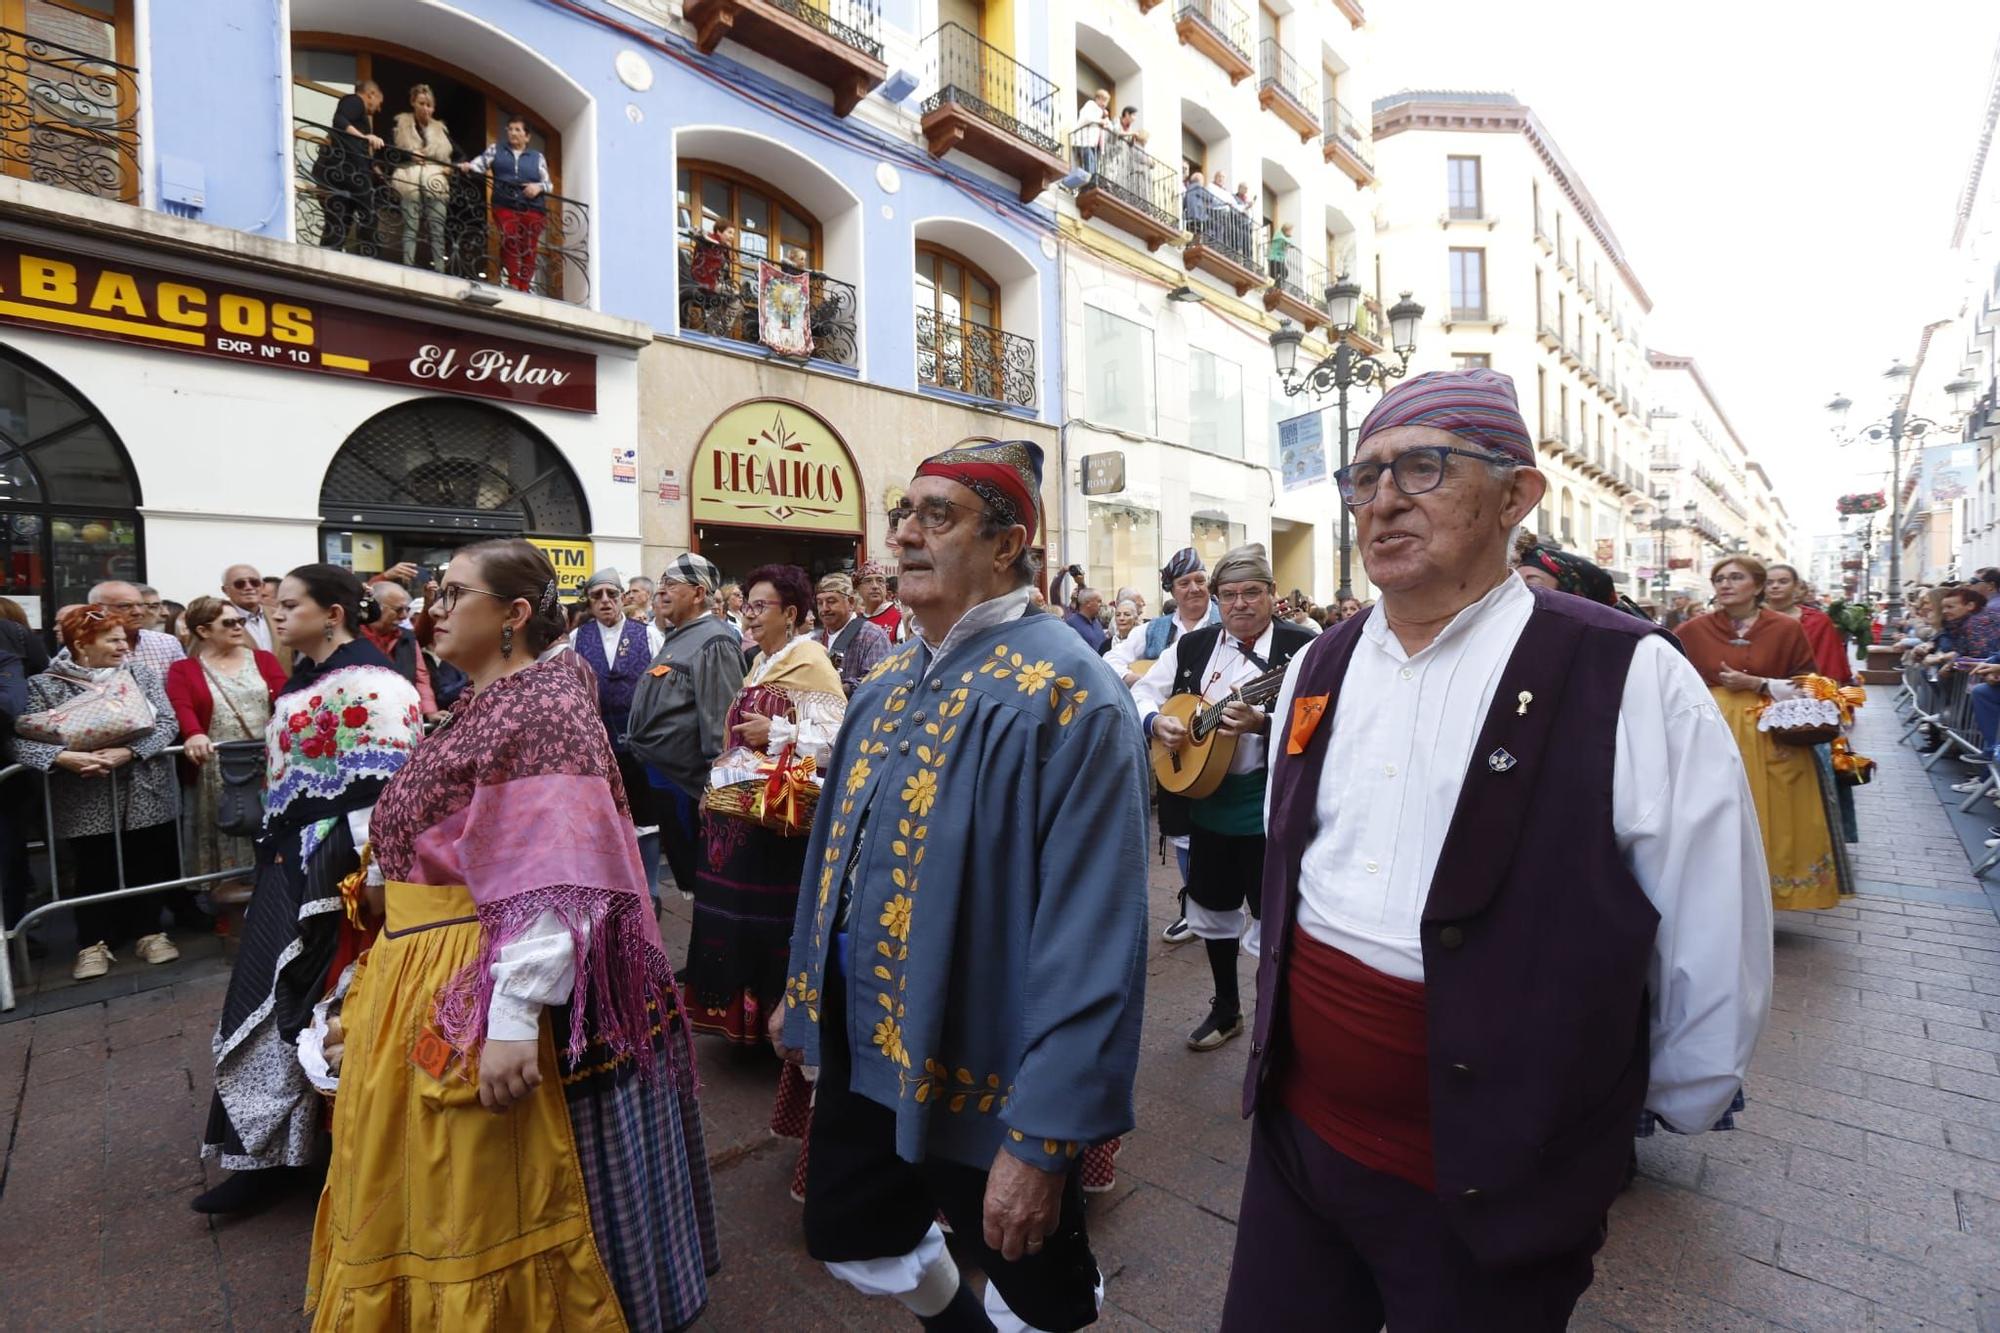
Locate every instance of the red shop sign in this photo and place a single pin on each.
(148, 307)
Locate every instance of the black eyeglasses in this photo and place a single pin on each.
(1417, 472)
(246, 583)
(933, 514)
(449, 594)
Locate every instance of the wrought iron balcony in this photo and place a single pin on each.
(1344, 142)
(1220, 31)
(405, 207)
(68, 118)
(991, 107)
(834, 42)
(1286, 90)
(1298, 289)
(1134, 191)
(719, 297)
(1548, 329)
(1222, 239)
(972, 358)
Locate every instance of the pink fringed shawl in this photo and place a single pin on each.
(519, 799)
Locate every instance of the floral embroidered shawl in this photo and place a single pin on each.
(518, 798)
(336, 735)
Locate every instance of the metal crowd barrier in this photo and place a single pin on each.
(14, 936)
(1941, 699)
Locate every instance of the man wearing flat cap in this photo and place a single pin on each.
(853, 644)
(968, 962)
(681, 704)
(877, 607)
(1226, 827)
(1514, 895)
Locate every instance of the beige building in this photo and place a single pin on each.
(1713, 495)
(1170, 290)
(1518, 269)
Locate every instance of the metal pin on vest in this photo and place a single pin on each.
(1500, 761)
(1526, 699)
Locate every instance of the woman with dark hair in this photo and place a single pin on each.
(1558, 570)
(344, 722)
(747, 884)
(1747, 653)
(520, 954)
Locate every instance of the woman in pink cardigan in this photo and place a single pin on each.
(221, 691)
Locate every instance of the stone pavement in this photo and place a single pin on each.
(1862, 1191)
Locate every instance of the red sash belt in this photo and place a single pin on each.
(1356, 1070)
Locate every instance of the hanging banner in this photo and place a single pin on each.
(91, 297)
(1301, 451)
(784, 311)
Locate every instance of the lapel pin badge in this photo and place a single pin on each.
(1500, 761)
(1526, 699)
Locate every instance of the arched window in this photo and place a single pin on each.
(444, 465)
(72, 95)
(768, 223)
(69, 503)
(959, 343)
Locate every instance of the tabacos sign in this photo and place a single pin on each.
(769, 462)
(56, 291)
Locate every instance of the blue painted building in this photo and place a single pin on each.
(819, 215)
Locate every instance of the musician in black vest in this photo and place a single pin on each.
(1226, 827)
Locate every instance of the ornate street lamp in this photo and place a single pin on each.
(1343, 368)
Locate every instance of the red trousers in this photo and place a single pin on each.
(520, 236)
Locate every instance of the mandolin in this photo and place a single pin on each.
(1198, 769)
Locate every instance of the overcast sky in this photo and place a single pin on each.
(1783, 176)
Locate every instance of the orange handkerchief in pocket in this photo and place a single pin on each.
(1306, 714)
(433, 1054)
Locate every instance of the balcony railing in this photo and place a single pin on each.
(992, 86)
(401, 206)
(1229, 25)
(1137, 183)
(974, 358)
(1339, 127)
(719, 287)
(1215, 223)
(855, 23)
(1302, 278)
(1281, 75)
(68, 118)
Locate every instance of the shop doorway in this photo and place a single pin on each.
(737, 551)
(420, 480)
(772, 482)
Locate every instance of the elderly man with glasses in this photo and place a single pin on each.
(244, 589)
(968, 962)
(150, 648)
(1514, 896)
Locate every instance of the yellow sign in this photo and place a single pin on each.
(772, 463)
(572, 562)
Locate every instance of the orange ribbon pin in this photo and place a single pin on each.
(1306, 715)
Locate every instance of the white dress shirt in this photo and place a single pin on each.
(258, 626)
(1681, 812)
(1228, 667)
(1132, 648)
(608, 635)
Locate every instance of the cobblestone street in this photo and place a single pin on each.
(1862, 1190)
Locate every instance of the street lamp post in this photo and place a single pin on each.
(1345, 367)
(1899, 426)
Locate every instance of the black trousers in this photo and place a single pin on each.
(151, 854)
(680, 833)
(1326, 1245)
(865, 1202)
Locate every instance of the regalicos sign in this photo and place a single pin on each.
(769, 462)
(43, 288)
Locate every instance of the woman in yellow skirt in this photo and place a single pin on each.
(1747, 653)
(517, 1143)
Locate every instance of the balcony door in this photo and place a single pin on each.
(959, 343)
(72, 94)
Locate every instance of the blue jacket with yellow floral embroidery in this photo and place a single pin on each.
(990, 809)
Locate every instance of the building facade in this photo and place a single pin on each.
(280, 343)
(1518, 270)
(1970, 349)
(1171, 287)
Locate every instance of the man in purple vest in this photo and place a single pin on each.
(619, 650)
(1514, 896)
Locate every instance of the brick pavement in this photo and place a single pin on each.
(1863, 1190)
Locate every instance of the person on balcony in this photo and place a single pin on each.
(521, 186)
(345, 168)
(1195, 204)
(1281, 249)
(422, 176)
(1086, 141)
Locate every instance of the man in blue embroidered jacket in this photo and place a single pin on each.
(968, 963)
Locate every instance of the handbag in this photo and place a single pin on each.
(239, 806)
(101, 715)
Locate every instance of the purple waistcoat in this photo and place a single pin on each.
(1536, 939)
(615, 680)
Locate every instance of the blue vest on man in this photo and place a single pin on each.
(1160, 630)
(1536, 938)
(615, 679)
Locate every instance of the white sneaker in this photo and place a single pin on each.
(92, 961)
(1969, 785)
(156, 949)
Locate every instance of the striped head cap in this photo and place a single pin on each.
(1478, 406)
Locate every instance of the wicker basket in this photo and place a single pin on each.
(748, 800)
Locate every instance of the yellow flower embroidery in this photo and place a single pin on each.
(896, 916)
(920, 792)
(1034, 679)
(857, 776)
(890, 1038)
